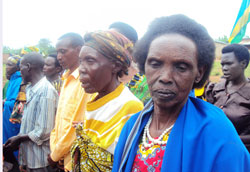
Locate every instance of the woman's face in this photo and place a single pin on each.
(232, 69)
(10, 69)
(95, 71)
(171, 70)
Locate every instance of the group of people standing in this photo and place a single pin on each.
(125, 105)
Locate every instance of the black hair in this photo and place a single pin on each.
(35, 59)
(125, 29)
(75, 38)
(240, 51)
(57, 64)
(179, 24)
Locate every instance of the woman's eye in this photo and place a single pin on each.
(181, 67)
(154, 64)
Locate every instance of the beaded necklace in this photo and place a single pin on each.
(157, 141)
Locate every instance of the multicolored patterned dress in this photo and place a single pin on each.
(149, 159)
(139, 87)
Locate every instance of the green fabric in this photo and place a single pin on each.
(5, 89)
(139, 87)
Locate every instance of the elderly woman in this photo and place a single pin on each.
(104, 58)
(14, 76)
(175, 132)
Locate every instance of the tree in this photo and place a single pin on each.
(11, 51)
(222, 39)
(45, 46)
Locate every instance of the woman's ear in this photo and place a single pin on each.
(116, 67)
(199, 76)
(243, 64)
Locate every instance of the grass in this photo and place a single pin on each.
(4, 78)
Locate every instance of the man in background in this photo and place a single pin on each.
(38, 117)
(72, 101)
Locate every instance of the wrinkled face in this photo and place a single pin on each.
(25, 71)
(171, 69)
(50, 68)
(66, 54)
(10, 69)
(95, 70)
(231, 67)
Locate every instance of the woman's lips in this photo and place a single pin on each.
(165, 94)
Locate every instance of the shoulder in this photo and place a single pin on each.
(129, 100)
(130, 123)
(213, 118)
(46, 88)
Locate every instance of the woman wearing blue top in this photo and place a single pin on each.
(175, 132)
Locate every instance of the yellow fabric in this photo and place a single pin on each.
(106, 135)
(243, 20)
(98, 135)
(71, 107)
(92, 156)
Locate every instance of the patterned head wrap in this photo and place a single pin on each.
(112, 45)
(15, 59)
(29, 49)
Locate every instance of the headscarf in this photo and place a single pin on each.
(112, 45)
(29, 49)
(15, 59)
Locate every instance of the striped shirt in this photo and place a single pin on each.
(38, 121)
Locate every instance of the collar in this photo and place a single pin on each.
(243, 91)
(35, 88)
(74, 74)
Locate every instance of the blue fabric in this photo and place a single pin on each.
(10, 129)
(192, 94)
(202, 140)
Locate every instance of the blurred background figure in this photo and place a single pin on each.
(52, 70)
(232, 93)
(9, 129)
(135, 80)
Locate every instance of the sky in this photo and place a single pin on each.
(25, 22)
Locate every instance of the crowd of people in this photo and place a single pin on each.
(110, 102)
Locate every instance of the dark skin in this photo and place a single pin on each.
(31, 74)
(67, 54)
(50, 70)
(68, 57)
(10, 69)
(97, 73)
(233, 72)
(171, 69)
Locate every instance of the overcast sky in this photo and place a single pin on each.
(25, 22)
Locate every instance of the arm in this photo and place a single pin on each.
(13, 143)
(209, 94)
(45, 122)
(63, 145)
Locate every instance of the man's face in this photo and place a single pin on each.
(50, 68)
(231, 67)
(66, 54)
(171, 68)
(10, 69)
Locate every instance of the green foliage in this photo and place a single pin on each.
(8, 50)
(45, 46)
(222, 39)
